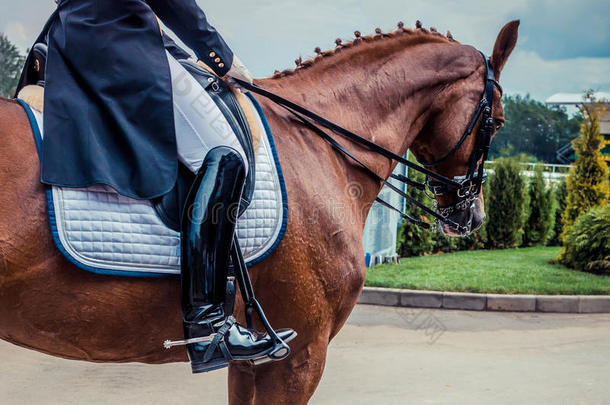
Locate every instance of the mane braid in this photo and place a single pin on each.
(359, 39)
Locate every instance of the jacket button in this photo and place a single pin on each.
(212, 54)
(221, 65)
(217, 60)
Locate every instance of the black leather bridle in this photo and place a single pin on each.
(471, 183)
(466, 187)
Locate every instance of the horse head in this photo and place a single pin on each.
(455, 138)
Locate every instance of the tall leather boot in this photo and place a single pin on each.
(208, 226)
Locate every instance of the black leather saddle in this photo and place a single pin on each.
(169, 207)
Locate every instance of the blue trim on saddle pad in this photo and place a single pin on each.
(53, 223)
(280, 176)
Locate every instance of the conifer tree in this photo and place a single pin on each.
(538, 224)
(11, 63)
(587, 184)
(506, 199)
(560, 194)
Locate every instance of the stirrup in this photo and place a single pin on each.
(280, 349)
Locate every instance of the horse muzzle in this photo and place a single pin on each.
(465, 217)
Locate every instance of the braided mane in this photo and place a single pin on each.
(359, 39)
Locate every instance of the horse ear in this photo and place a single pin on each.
(505, 43)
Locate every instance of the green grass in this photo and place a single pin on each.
(511, 271)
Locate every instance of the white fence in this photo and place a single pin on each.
(552, 173)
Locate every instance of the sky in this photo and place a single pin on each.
(564, 45)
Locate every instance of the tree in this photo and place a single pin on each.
(538, 225)
(533, 128)
(11, 63)
(587, 184)
(506, 201)
(560, 193)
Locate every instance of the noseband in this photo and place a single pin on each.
(466, 187)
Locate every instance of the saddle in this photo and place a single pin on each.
(237, 112)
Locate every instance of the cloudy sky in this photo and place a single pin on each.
(564, 45)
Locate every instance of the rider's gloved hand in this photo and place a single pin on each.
(239, 71)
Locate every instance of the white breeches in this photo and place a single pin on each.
(200, 125)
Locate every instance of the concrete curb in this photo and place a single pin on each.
(574, 304)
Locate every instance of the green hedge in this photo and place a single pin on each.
(587, 242)
(507, 199)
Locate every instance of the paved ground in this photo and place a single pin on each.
(383, 356)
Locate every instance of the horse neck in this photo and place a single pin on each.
(381, 90)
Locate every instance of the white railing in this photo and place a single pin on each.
(551, 172)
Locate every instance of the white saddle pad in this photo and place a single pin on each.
(104, 232)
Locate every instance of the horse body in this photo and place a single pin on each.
(311, 282)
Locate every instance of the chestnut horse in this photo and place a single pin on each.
(406, 89)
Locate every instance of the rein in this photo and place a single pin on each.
(467, 187)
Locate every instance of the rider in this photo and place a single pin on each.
(120, 111)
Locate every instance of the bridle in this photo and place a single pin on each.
(467, 188)
(471, 183)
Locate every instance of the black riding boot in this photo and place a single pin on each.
(208, 226)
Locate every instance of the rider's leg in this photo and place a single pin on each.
(208, 146)
(200, 125)
(208, 225)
